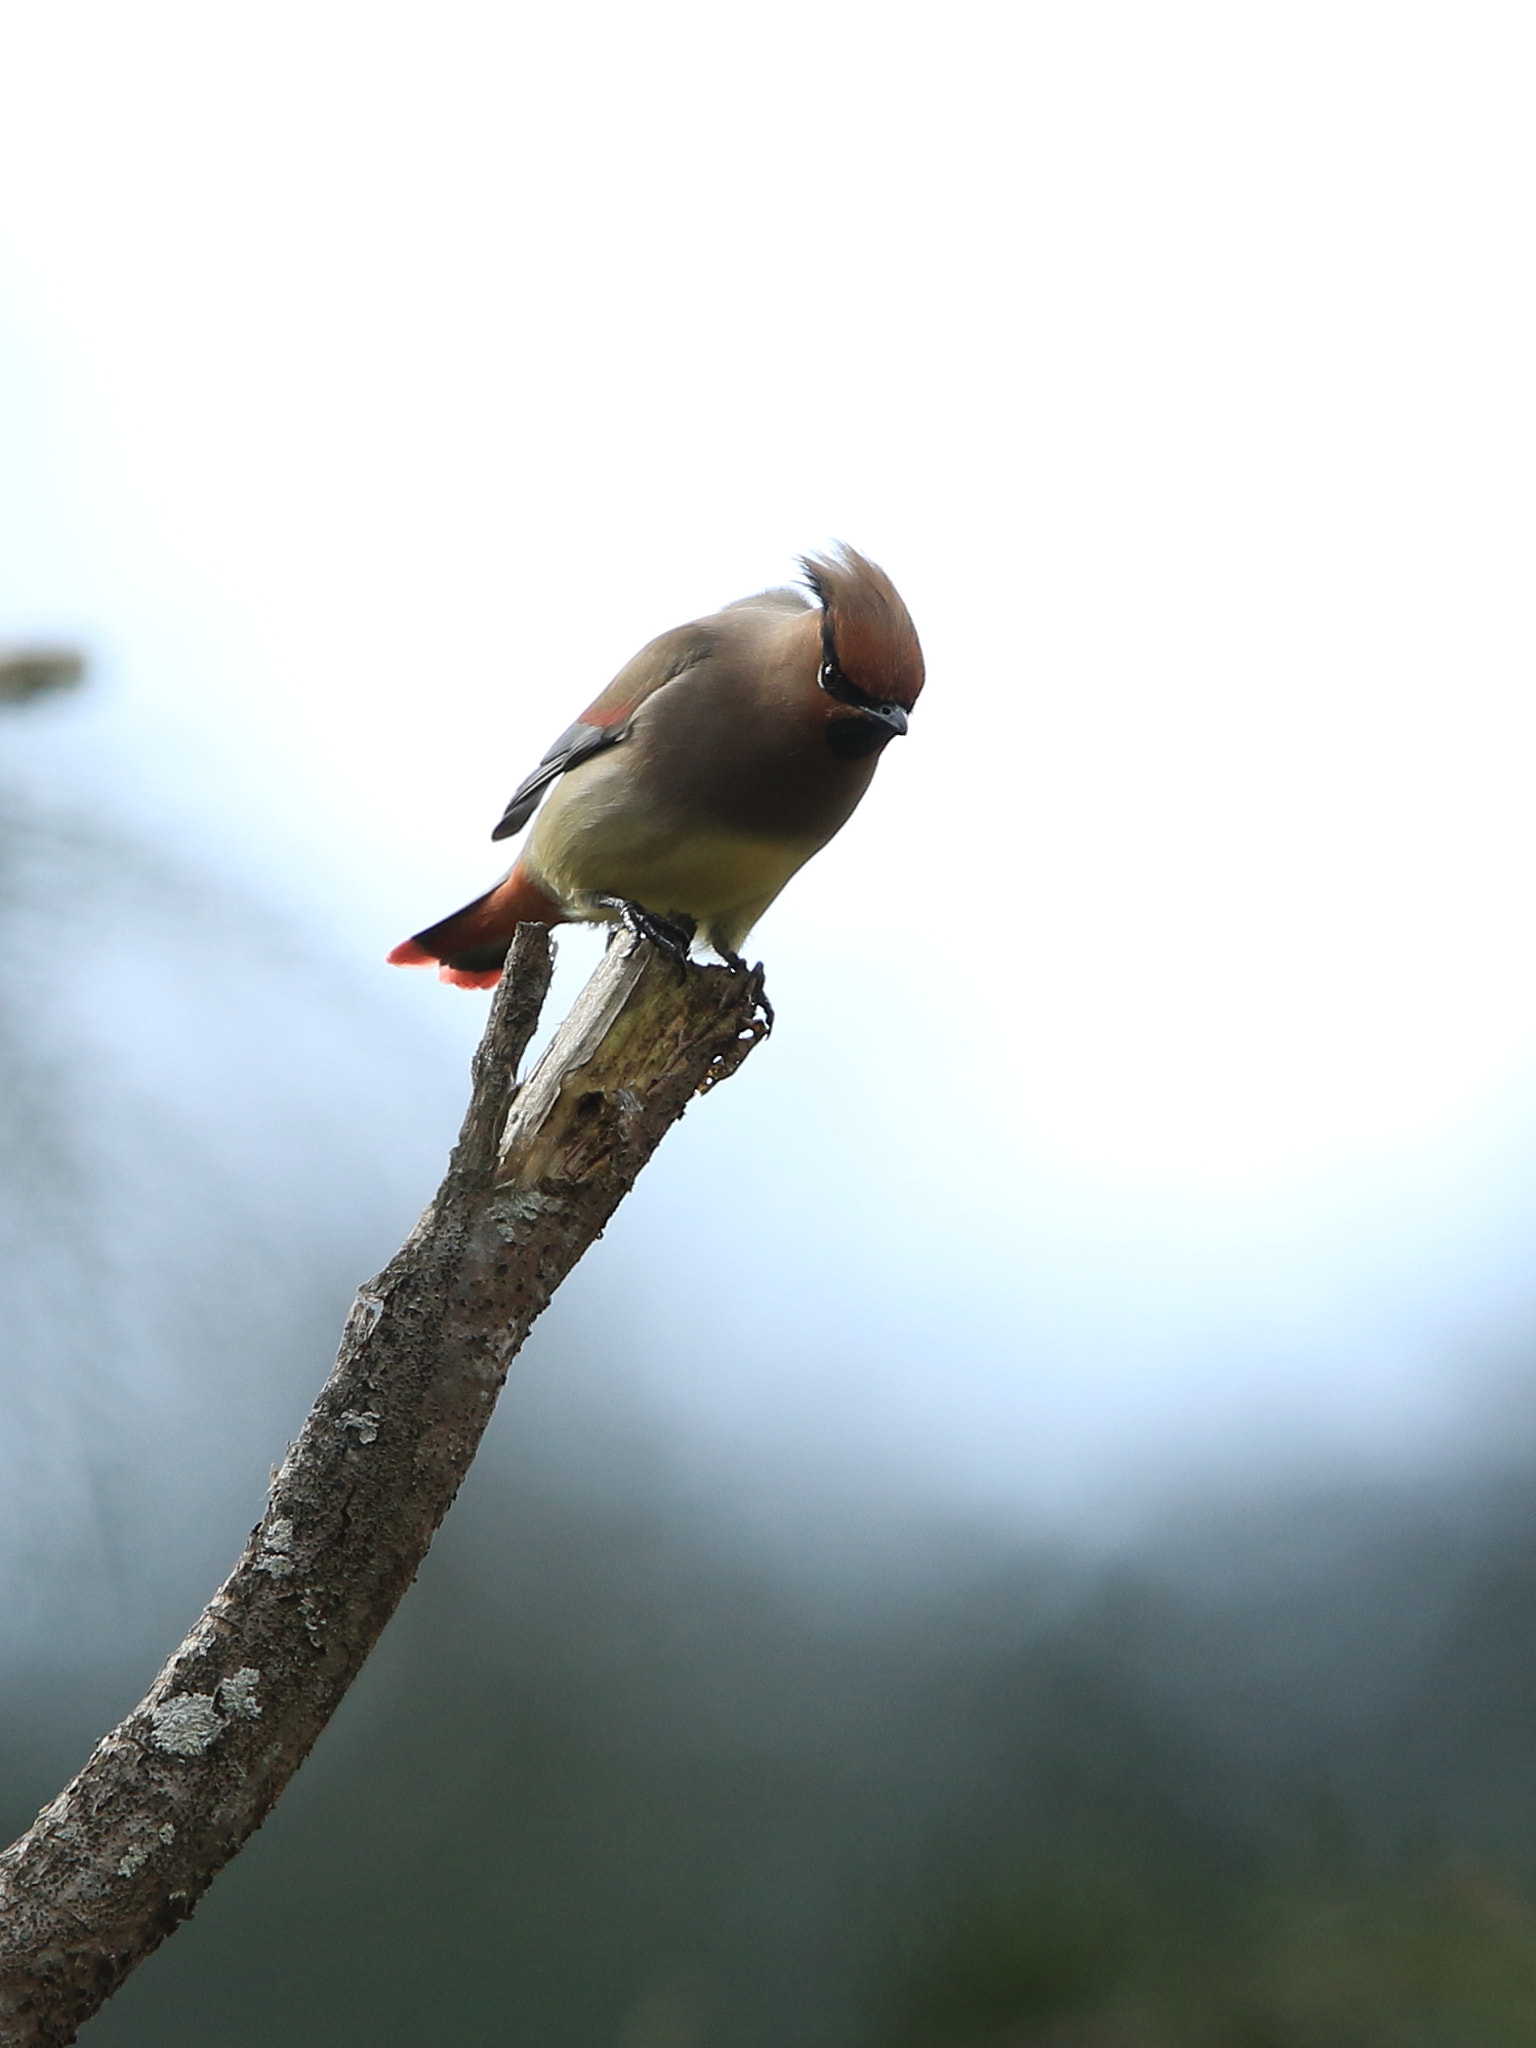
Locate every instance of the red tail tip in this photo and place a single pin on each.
(462, 977)
(409, 954)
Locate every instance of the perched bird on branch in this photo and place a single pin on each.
(711, 768)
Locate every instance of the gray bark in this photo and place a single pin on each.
(120, 1858)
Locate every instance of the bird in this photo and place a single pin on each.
(717, 761)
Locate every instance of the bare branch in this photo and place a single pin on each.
(123, 1854)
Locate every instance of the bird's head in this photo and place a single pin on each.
(871, 664)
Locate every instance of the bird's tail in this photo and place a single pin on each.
(472, 944)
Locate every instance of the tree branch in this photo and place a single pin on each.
(123, 1854)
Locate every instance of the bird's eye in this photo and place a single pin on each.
(836, 684)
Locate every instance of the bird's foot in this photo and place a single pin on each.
(670, 935)
(752, 1029)
(736, 965)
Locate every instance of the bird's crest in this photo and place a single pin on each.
(868, 629)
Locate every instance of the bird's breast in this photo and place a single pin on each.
(598, 836)
(747, 750)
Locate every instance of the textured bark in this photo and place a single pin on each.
(123, 1854)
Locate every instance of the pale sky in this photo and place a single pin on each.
(1158, 1065)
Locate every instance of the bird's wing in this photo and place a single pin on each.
(575, 744)
(606, 721)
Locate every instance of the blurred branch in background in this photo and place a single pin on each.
(120, 1858)
(27, 672)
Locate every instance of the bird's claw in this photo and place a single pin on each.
(670, 935)
(752, 1030)
(735, 964)
(755, 988)
(674, 936)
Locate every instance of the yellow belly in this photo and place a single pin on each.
(593, 839)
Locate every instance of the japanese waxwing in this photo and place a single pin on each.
(715, 764)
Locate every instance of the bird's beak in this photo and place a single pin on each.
(890, 715)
